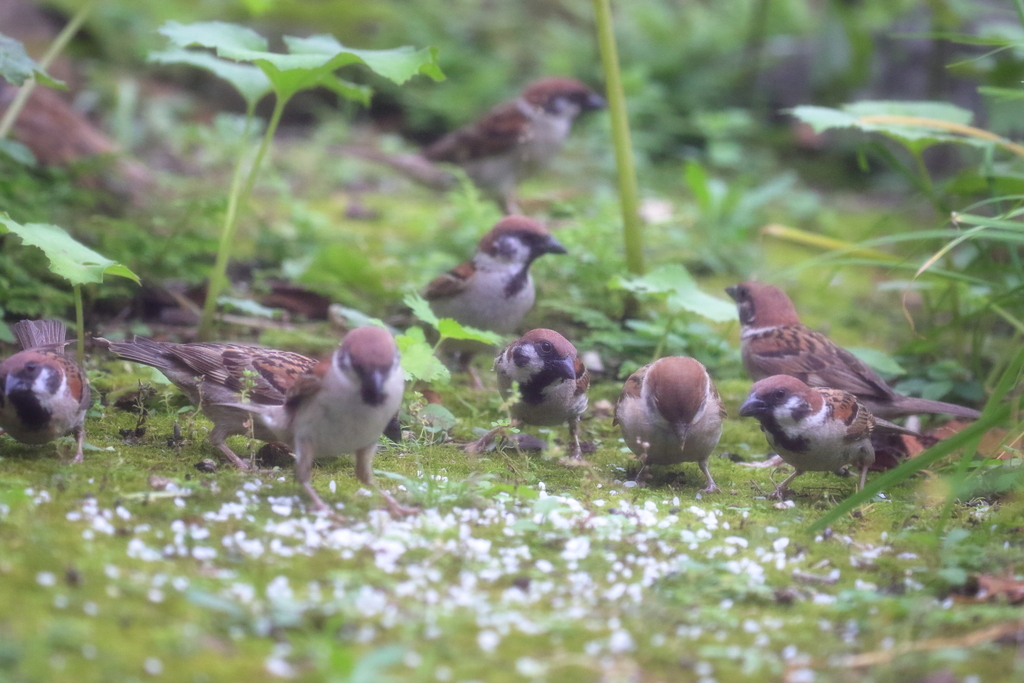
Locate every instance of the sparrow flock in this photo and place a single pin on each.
(817, 404)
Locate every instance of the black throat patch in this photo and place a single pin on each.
(782, 440)
(31, 413)
(518, 281)
(553, 371)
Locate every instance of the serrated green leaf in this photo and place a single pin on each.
(682, 290)
(418, 359)
(347, 89)
(249, 80)
(421, 309)
(452, 329)
(70, 259)
(216, 35)
(396, 64)
(856, 115)
(16, 66)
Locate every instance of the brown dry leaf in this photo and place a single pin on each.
(996, 588)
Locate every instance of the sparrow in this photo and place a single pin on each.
(552, 384)
(494, 290)
(215, 374)
(43, 392)
(775, 343)
(670, 412)
(814, 429)
(342, 405)
(516, 139)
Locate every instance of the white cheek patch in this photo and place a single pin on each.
(794, 404)
(533, 365)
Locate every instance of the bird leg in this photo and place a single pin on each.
(711, 486)
(232, 458)
(465, 363)
(575, 451)
(79, 433)
(364, 472)
(303, 474)
(644, 474)
(863, 476)
(780, 490)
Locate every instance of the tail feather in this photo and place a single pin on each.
(886, 426)
(139, 350)
(35, 333)
(904, 406)
(274, 417)
(413, 166)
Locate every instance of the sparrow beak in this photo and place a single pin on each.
(595, 101)
(568, 366)
(552, 246)
(731, 291)
(373, 386)
(754, 407)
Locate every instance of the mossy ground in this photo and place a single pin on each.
(519, 568)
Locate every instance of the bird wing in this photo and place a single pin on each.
(582, 378)
(497, 132)
(451, 283)
(633, 388)
(845, 407)
(810, 356)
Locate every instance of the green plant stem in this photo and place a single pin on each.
(629, 193)
(11, 115)
(664, 337)
(1020, 10)
(238, 194)
(79, 324)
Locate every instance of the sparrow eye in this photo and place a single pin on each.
(546, 347)
(779, 394)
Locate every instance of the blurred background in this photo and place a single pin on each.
(709, 87)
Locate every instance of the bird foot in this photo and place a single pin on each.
(778, 494)
(711, 488)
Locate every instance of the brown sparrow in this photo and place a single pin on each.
(516, 139)
(814, 429)
(775, 343)
(43, 392)
(213, 375)
(552, 384)
(495, 290)
(341, 406)
(670, 412)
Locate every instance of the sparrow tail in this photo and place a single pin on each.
(35, 333)
(906, 405)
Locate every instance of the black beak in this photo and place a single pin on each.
(373, 386)
(568, 365)
(754, 407)
(733, 292)
(552, 246)
(595, 101)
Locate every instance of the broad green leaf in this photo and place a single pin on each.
(682, 290)
(258, 7)
(216, 35)
(438, 417)
(16, 66)
(17, 151)
(454, 330)
(250, 81)
(397, 64)
(68, 258)
(860, 115)
(421, 309)
(878, 360)
(347, 89)
(418, 359)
